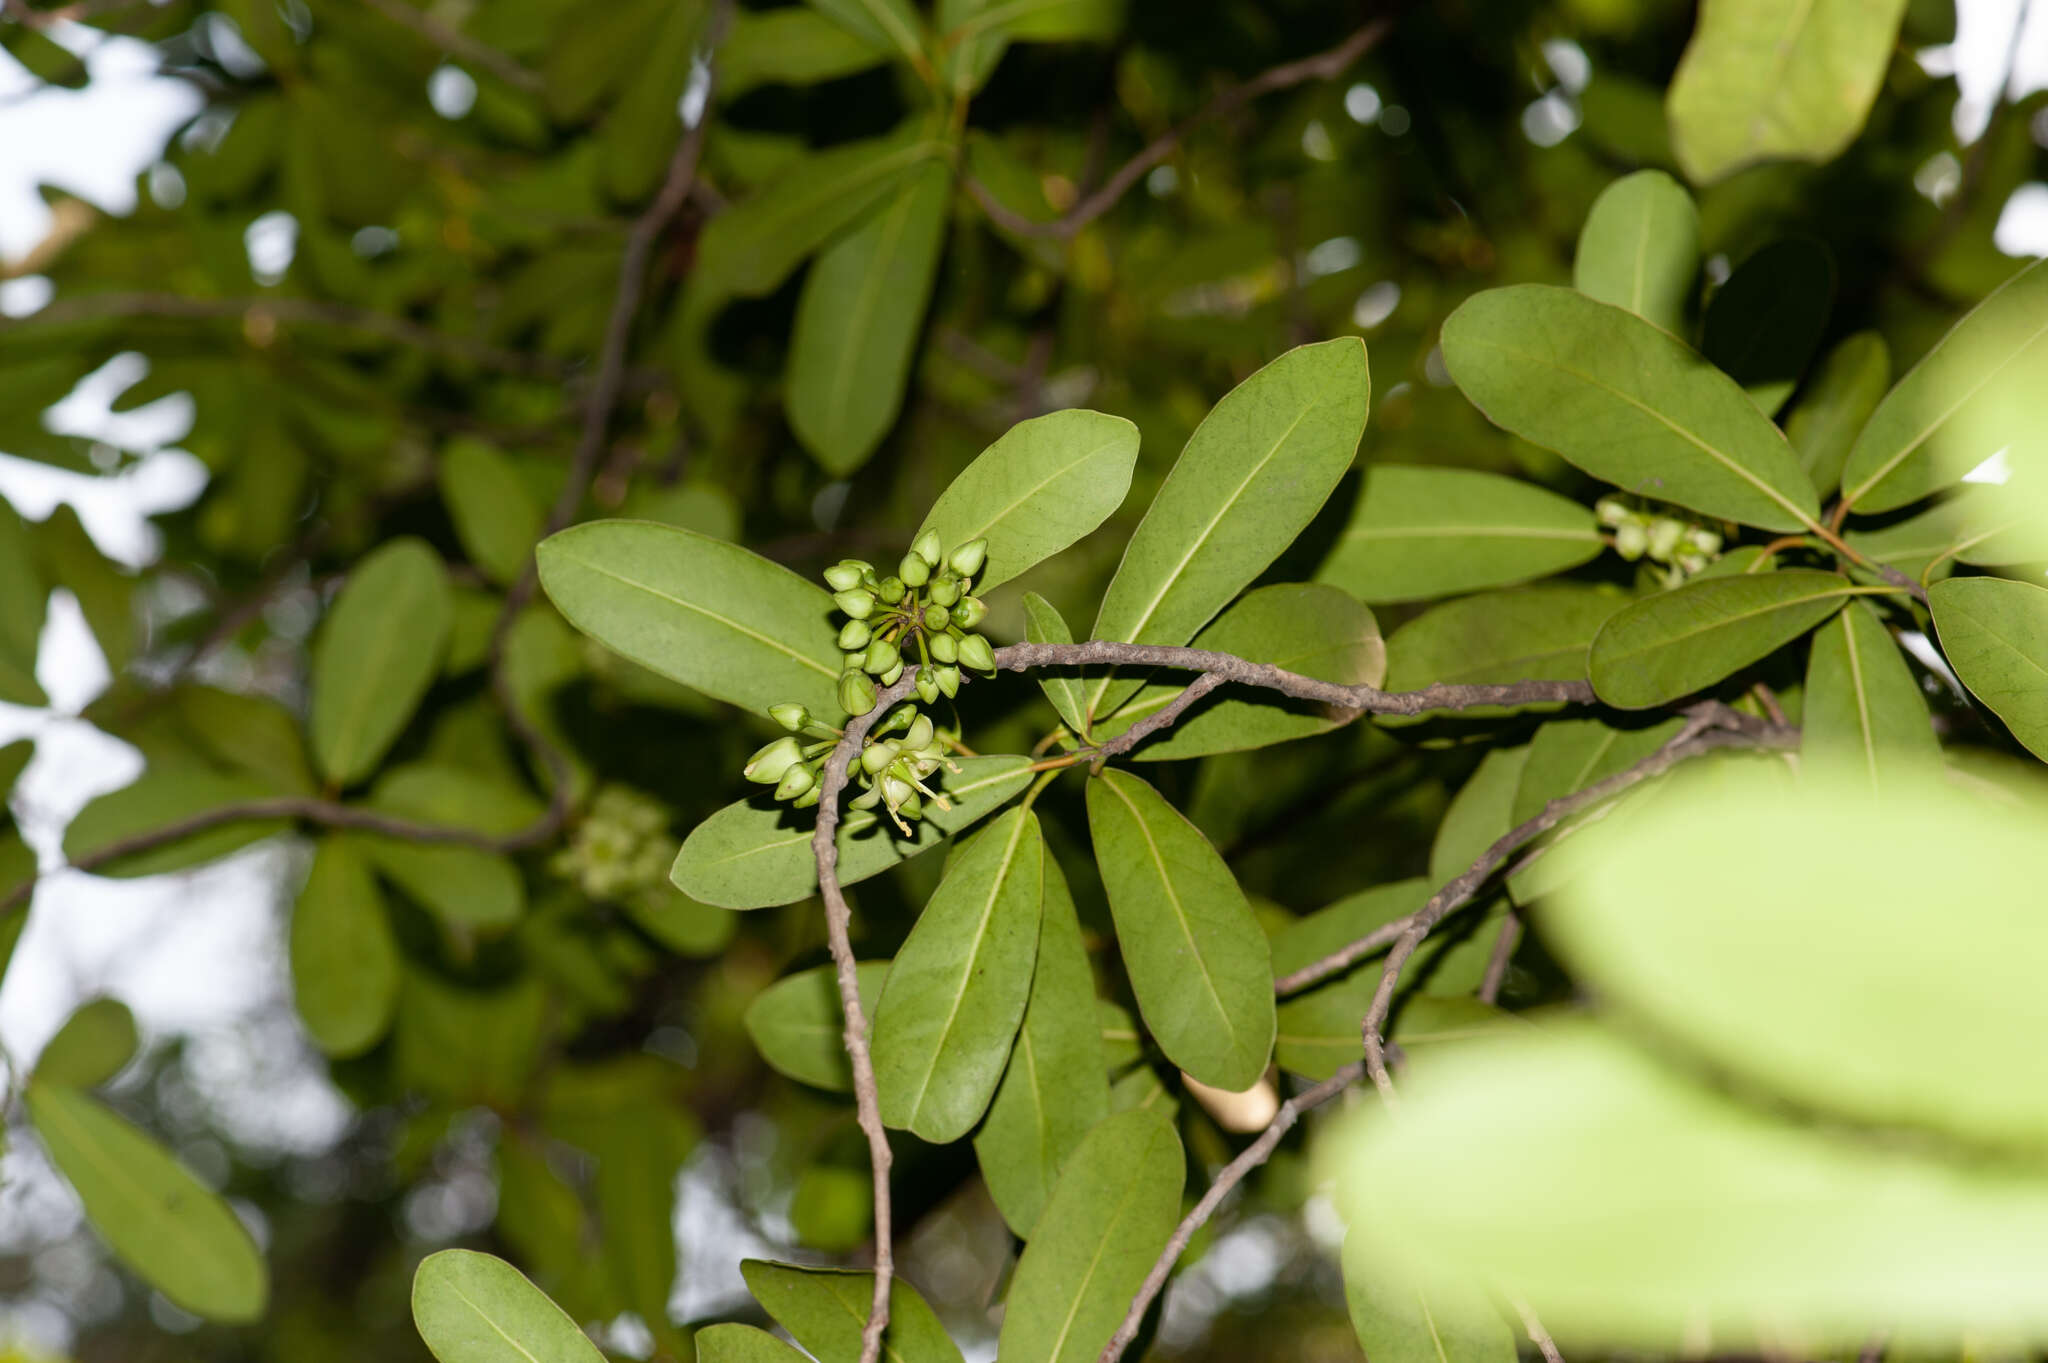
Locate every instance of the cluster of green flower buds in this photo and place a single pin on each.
(926, 604)
(1641, 532)
(622, 846)
(900, 753)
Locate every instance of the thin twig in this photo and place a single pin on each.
(1153, 723)
(1538, 1336)
(838, 932)
(458, 45)
(1504, 945)
(1248, 1159)
(1323, 66)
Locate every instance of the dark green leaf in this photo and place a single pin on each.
(344, 958)
(1862, 706)
(165, 794)
(23, 596)
(1825, 421)
(1534, 634)
(1568, 755)
(1481, 812)
(825, 1309)
(743, 1344)
(1995, 635)
(797, 1025)
(1763, 324)
(375, 657)
(883, 23)
(496, 515)
(91, 1047)
(1062, 686)
(1640, 248)
(1676, 642)
(788, 47)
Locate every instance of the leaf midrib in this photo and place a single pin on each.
(1416, 532)
(774, 644)
(1033, 491)
(867, 299)
(485, 1317)
(1669, 640)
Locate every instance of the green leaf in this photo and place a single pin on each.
(166, 793)
(344, 957)
(743, 1344)
(1398, 1322)
(244, 733)
(473, 1308)
(1056, 1087)
(858, 319)
(788, 47)
(1763, 324)
(1062, 686)
(1762, 81)
(456, 797)
(957, 991)
(1307, 940)
(1825, 421)
(1041, 486)
(883, 23)
(1974, 392)
(92, 1046)
(14, 760)
(1418, 533)
(755, 854)
(1250, 479)
(1627, 1205)
(1199, 965)
(496, 516)
(1111, 1215)
(105, 592)
(23, 596)
(1532, 634)
(1677, 642)
(376, 655)
(697, 610)
(1640, 248)
(825, 1309)
(1480, 813)
(1318, 631)
(1995, 635)
(161, 1220)
(1568, 755)
(798, 1028)
(464, 887)
(750, 247)
(1626, 402)
(1862, 705)
(1983, 523)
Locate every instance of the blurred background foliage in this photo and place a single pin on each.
(381, 261)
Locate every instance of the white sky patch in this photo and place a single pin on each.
(2023, 223)
(452, 91)
(271, 241)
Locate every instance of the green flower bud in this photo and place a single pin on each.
(767, 765)
(968, 558)
(949, 681)
(856, 693)
(881, 656)
(902, 717)
(944, 591)
(790, 715)
(890, 589)
(1691, 563)
(1611, 511)
(1630, 540)
(857, 602)
(808, 798)
(1703, 540)
(867, 799)
(927, 548)
(914, 571)
(911, 806)
(919, 735)
(890, 677)
(1665, 534)
(936, 618)
(976, 653)
(945, 648)
(927, 686)
(897, 792)
(846, 574)
(876, 756)
(854, 636)
(797, 780)
(970, 612)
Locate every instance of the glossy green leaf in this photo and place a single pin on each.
(1479, 814)
(1568, 755)
(23, 596)
(91, 1047)
(697, 610)
(1249, 480)
(798, 1028)
(957, 991)
(1199, 965)
(791, 46)
(1632, 1210)
(743, 1344)
(1398, 1322)
(496, 515)
(1975, 392)
(344, 957)
(1062, 686)
(825, 1309)
(1041, 486)
(858, 320)
(1825, 421)
(752, 246)
(1863, 707)
(1418, 533)
(1313, 629)
(1056, 1086)
(375, 656)
(1676, 642)
(1640, 249)
(755, 854)
(1763, 324)
(1110, 1216)
(166, 793)
(1762, 81)
(1532, 634)
(161, 1220)
(884, 23)
(1628, 403)
(474, 1308)
(1994, 633)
